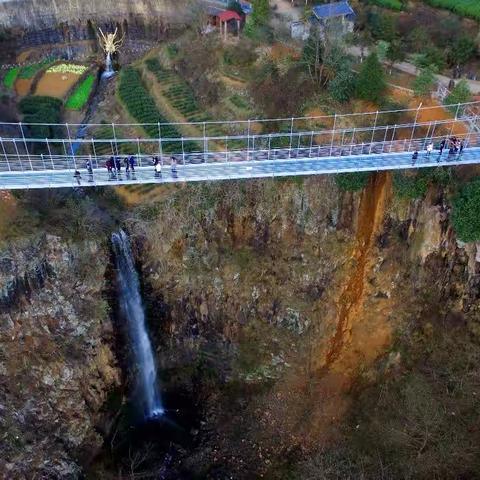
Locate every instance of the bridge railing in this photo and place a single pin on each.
(257, 151)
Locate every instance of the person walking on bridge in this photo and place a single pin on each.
(110, 166)
(442, 146)
(127, 164)
(429, 149)
(131, 161)
(414, 157)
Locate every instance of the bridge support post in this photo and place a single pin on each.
(291, 135)
(50, 154)
(94, 152)
(139, 153)
(43, 161)
(471, 127)
(5, 154)
(373, 133)
(160, 152)
(183, 152)
(311, 145)
(226, 148)
(18, 154)
(384, 140)
(432, 135)
(248, 141)
(414, 126)
(115, 139)
(393, 137)
(25, 144)
(353, 140)
(269, 144)
(333, 133)
(71, 147)
(205, 143)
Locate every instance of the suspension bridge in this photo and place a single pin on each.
(71, 155)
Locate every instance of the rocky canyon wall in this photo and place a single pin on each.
(38, 14)
(56, 363)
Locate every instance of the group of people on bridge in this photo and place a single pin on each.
(454, 145)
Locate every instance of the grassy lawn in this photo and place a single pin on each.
(81, 94)
(10, 77)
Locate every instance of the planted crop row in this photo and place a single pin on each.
(81, 94)
(30, 71)
(465, 8)
(143, 108)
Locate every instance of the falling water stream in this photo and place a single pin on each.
(147, 390)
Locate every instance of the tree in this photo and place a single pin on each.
(258, 19)
(466, 212)
(312, 55)
(395, 53)
(461, 51)
(342, 87)
(424, 82)
(459, 94)
(371, 79)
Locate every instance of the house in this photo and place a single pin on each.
(335, 18)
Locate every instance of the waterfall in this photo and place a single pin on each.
(108, 67)
(131, 306)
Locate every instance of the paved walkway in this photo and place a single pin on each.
(234, 170)
(406, 67)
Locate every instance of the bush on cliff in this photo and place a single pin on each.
(352, 182)
(466, 212)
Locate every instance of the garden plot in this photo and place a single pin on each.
(59, 79)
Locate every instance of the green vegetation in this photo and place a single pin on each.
(352, 182)
(11, 76)
(391, 4)
(465, 8)
(41, 110)
(81, 94)
(371, 80)
(459, 94)
(30, 71)
(410, 185)
(424, 82)
(466, 212)
(142, 107)
(257, 22)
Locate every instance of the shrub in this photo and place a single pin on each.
(80, 96)
(242, 54)
(10, 77)
(352, 182)
(466, 212)
(41, 110)
(409, 185)
(391, 4)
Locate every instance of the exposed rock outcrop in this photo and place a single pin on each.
(56, 364)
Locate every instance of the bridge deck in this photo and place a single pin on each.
(235, 170)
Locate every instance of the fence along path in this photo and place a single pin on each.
(283, 142)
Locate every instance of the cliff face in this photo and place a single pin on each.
(34, 14)
(56, 364)
(269, 300)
